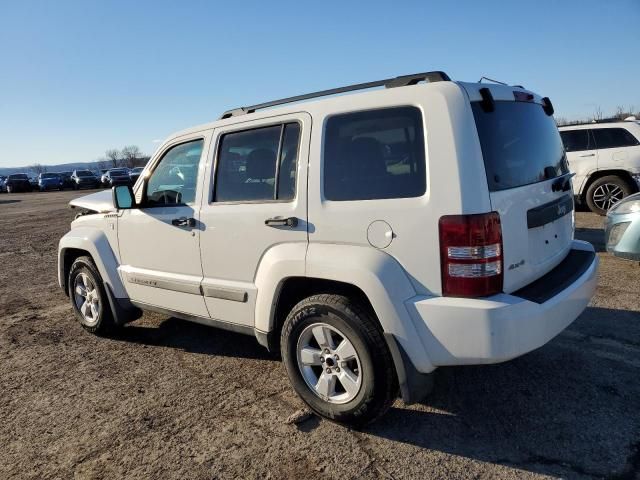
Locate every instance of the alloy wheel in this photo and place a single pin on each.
(329, 363)
(607, 195)
(86, 298)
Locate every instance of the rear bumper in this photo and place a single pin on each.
(462, 331)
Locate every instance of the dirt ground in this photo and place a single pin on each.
(170, 399)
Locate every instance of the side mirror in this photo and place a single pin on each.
(123, 198)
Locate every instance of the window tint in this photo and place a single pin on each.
(173, 181)
(249, 162)
(84, 173)
(374, 154)
(577, 140)
(614, 138)
(520, 144)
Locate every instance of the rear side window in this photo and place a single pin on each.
(258, 164)
(520, 144)
(577, 140)
(374, 154)
(614, 138)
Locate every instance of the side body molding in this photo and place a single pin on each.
(278, 263)
(96, 243)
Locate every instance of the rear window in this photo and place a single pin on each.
(374, 154)
(520, 144)
(84, 173)
(614, 138)
(118, 172)
(18, 176)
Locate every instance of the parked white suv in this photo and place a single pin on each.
(369, 237)
(606, 160)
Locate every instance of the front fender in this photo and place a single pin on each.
(96, 244)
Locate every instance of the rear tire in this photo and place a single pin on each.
(88, 297)
(350, 378)
(605, 192)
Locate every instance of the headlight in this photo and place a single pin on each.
(626, 206)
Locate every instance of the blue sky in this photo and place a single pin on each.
(79, 77)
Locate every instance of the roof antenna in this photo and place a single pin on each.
(491, 80)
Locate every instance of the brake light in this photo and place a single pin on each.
(471, 255)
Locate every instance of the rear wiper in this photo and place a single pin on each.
(562, 183)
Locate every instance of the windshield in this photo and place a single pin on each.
(18, 176)
(137, 170)
(48, 175)
(520, 144)
(118, 172)
(84, 173)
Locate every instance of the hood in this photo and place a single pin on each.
(101, 202)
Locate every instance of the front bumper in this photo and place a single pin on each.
(464, 331)
(622, 235)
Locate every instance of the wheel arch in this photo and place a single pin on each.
(623, 174)
(93, 243)
(371, 276)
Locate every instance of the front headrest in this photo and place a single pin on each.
(261, 164)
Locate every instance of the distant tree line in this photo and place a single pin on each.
(620, 114)
(130, 157)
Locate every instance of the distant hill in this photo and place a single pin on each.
(64, 167)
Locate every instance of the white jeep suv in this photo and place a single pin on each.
(370, 237)
(606, 160)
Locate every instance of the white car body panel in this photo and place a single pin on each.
(230, 267)
(585, 163)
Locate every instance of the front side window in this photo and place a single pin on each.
(173, 182)
(258, 164)
(577, 140)
(614, 138)
(374, 154)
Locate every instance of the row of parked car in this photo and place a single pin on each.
(77, 179)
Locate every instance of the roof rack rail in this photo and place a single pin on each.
(401, 81)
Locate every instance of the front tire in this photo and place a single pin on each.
(337, 359)
(88, 297)
(605, 192)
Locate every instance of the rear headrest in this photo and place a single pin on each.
(365, 157)
(261, 164)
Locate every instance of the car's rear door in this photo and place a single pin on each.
(256, 201)
(528, 179)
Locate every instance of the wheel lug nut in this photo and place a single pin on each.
(337, 369)
(322, 359)
(326, 350)
(328, 370)
(336, 357)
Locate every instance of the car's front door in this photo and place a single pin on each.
(257, 201)
(159, 241)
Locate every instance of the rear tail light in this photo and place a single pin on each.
(471, 255)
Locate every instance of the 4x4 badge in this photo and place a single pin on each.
(513, 266)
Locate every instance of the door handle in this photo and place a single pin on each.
(281, 222)
(588, 155)
(184, 222)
